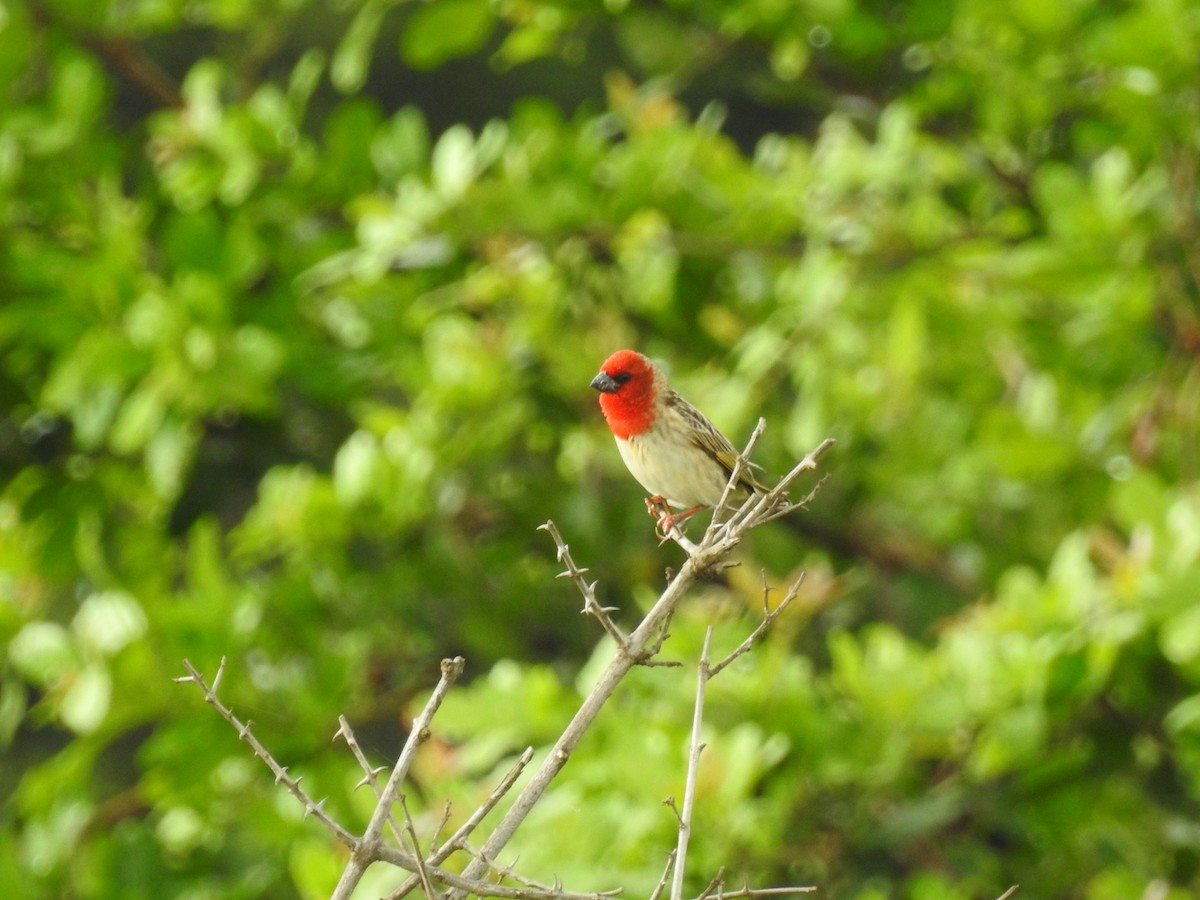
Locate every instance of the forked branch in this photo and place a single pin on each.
(639, 647)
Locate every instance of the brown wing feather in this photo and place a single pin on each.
(711, 441)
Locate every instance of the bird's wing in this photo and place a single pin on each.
(706, 436)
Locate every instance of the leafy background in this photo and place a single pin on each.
(298, 307)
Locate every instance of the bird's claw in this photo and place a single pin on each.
(657, 507)
(660, 511)
(665, 520)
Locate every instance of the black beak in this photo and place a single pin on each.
(605, 383)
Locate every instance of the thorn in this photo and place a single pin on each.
(281, 774)
(220, 673)
(314, 808)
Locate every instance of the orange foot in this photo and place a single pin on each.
(657, 507)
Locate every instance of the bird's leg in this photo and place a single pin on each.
(657, 507)
(669, 520)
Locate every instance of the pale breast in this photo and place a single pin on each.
(682, 473)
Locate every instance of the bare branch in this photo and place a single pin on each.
(442, 822)
(591, 606)
(502, 871)
(484, 888)
(366, 849)
(758, 508)
(346, 733)
(710, 894)
(430, 893)
(669, 802)
(666, 875)
(769, 617)
(693, 768)
(244, 733)
(764, 507)
(466, 828)
(674, 534)
(714, 886)
(739, 466)
(1012, 890)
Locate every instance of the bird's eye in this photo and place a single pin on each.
(622, 377)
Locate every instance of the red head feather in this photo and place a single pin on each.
(628, 392)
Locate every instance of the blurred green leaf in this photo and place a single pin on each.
(444, 30)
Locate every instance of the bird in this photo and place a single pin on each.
(669, 446)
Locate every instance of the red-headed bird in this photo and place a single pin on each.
(667, 444)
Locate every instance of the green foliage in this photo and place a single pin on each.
(298, 308)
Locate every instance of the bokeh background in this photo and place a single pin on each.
(299, 303)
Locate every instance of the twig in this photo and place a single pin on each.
(674, 534)
(347, 734)
(714, 886)
(430, 893)
(442, 822)
(710, 894)
(689, 789)
(764, 507)
(1012, 890)
(666, 875)
(590, 605)
(503, 871)
(464, 830)
(769, 617)
(280, 772)
(484, 888)
(366, 849)
(669, 802)
(739, 466)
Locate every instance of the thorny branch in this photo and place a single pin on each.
(366, 847)
(716, 890)
(345, 733)
(243, 729)
(769, 617)
(591, 606)
(636, 648)
(454, 842)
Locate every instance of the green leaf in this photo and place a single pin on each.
(109, 620)
(86, 702)
(42, 652)
(444, 30)
(352, 58)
